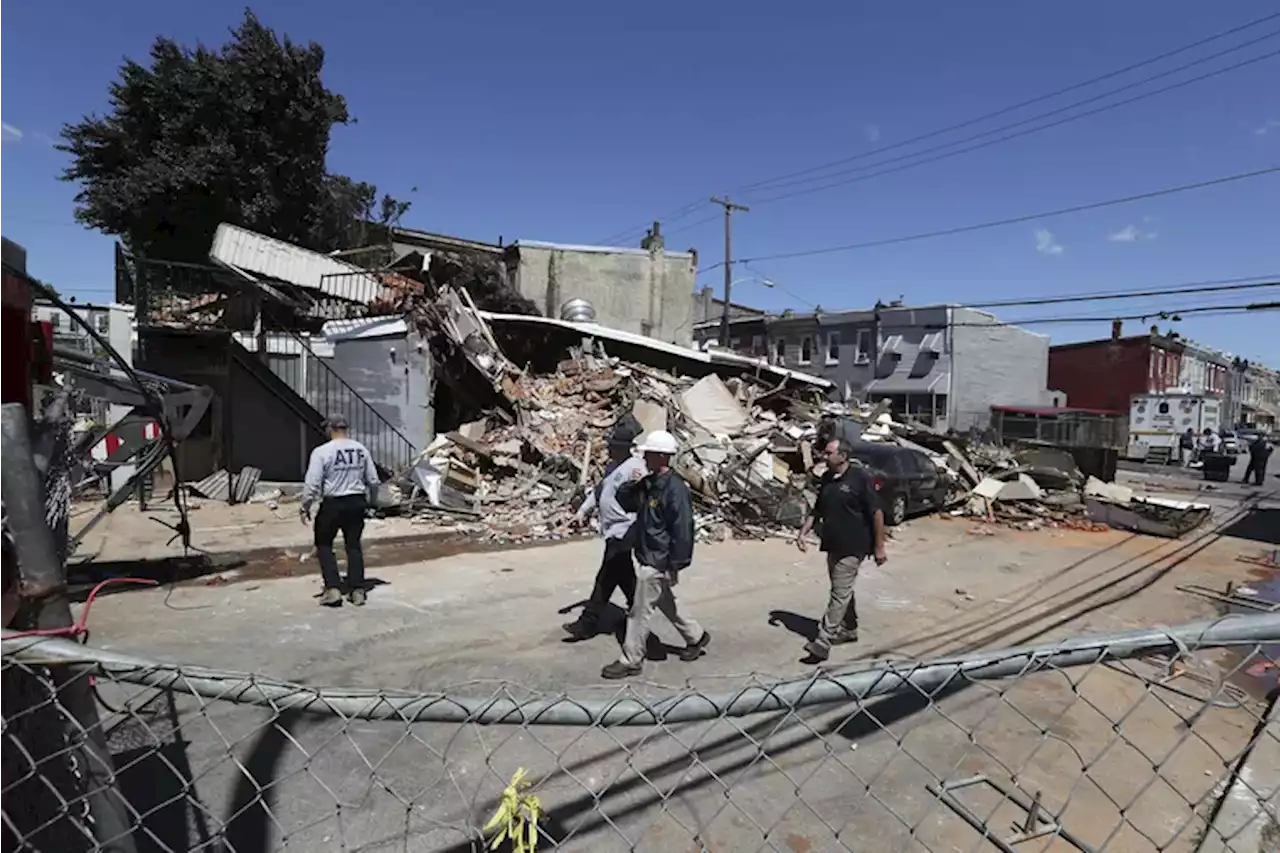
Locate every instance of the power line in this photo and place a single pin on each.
(1015, 107)
(1012, 220)
(1009, 136)
(694, 205)
(1171, 315)
(1197, 287)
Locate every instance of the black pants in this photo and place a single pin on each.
(1258, 468)
(617, 571)
(346, 514)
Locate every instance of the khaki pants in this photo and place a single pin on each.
(653, 592)
(841, 618)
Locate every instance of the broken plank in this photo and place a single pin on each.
(966, 467)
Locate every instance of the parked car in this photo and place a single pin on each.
(1246, 437)
(1232, 443)
(908, 481)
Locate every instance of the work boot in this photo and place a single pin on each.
(332, 597)
(845, 637)
(357, 597)
(695, 651)
(618, 669)
(816, 651)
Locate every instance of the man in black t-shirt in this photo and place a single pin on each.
(852, 528)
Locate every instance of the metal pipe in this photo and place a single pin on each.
(819, 689)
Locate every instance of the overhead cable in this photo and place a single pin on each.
(697, 204)
(998, 140)
(1011, 220)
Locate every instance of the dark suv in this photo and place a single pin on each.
(908, 481)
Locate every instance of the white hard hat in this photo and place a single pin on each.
(658, 441)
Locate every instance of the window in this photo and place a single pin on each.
(780, 350)
(55, 320)
(103, 323)
(862, 347)
(806, 350)
(833, 348)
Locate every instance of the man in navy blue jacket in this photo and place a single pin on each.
(663, 546)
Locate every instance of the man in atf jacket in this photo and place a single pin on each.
(663, 534)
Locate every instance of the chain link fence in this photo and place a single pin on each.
(1154, 740)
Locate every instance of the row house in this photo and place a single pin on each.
(1260, 406)
(941, 364)
(1203, 370)
(1105, 374)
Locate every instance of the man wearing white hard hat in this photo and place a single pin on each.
(663, 545)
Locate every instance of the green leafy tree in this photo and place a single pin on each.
(202, 136)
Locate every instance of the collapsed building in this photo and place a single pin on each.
(480, 410)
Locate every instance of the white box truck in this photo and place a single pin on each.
(1157, 420)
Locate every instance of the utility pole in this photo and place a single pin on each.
(729, 208)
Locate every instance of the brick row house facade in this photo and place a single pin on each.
(1104, 374)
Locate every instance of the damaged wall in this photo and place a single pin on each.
(635, 290)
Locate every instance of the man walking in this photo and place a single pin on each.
(851, 528)
(342, 477)
(663, 549)
(1259, 453)
(616, 569)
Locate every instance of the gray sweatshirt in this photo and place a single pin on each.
(614, 520)
(339, 468)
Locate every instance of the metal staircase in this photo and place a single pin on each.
(310, 377)
(203, 298)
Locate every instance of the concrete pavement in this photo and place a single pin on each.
(823, 779)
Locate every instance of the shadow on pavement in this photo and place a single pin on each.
(804, 627)
(1259, 525)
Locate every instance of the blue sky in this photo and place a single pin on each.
(576, 121)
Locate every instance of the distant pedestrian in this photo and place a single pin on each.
(616, 569)
(1187, 447)
(663, 548)
(1259, 454)
(851, 528)
(1210, 442)
(341, 475)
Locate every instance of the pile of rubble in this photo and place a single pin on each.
(750, 440)
(748, 443)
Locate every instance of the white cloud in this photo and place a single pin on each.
(871, 132)
(11, 133)
(44, 138)
(1127, 234)
(1131, 234)
(1046, 244)
(1267, 126)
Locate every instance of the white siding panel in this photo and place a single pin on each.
(276, 259)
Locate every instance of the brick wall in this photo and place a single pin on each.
(1102, 374)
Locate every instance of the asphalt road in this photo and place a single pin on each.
(839, 777)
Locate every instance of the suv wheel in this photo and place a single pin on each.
(898, 509)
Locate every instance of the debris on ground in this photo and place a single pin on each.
(531, 402)
(1122, 507)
